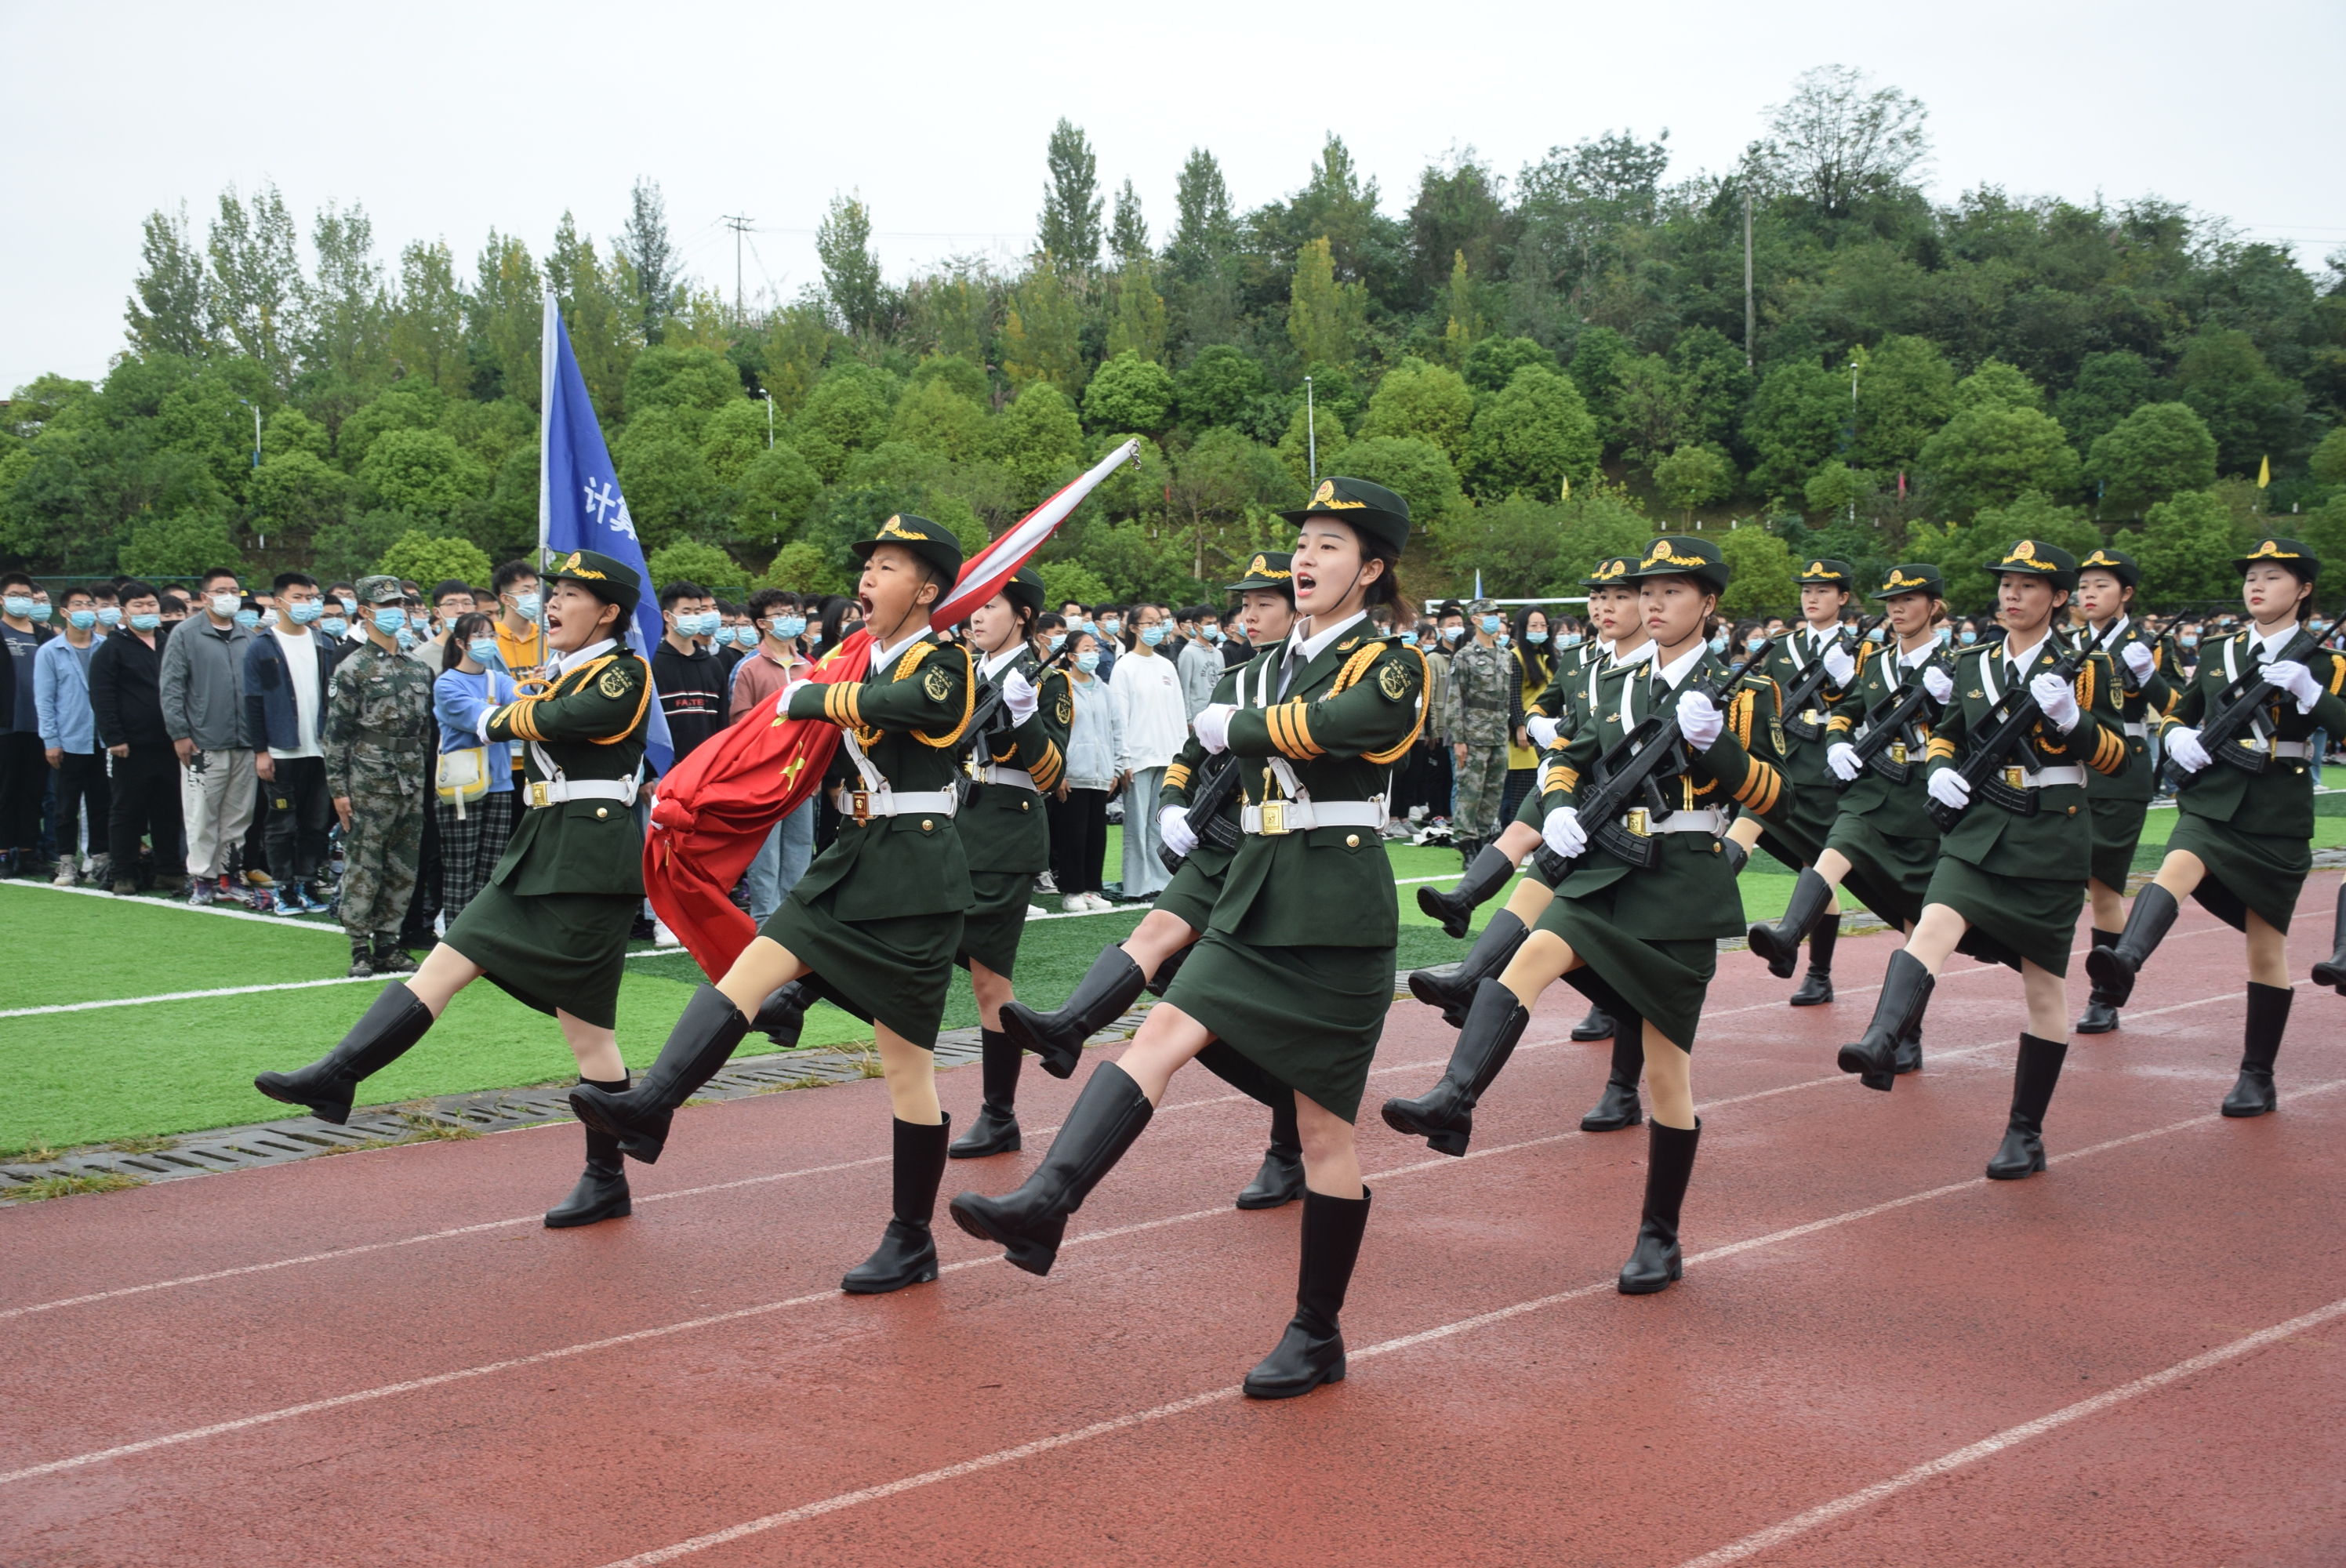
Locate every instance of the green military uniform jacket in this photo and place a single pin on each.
(1002, 826)
(2057, 843)
(1570, 676)
(1691, 891)
(2157, 696)
(1346, 717)
(1789, 664)
(1182, 780)
(589, 724)
(909, 720)
(1898, 811)
(378, 719)
(2277, 802)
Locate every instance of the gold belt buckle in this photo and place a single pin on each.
(859, 806)
(1274, 817)
(1898, 751)
(2017, 777)
(537, 795)
(1636, 822)
(1813, 716)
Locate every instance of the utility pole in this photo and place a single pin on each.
(1748, 315)
(737, 225)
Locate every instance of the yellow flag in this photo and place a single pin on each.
(1567, 489)
(2264, 473)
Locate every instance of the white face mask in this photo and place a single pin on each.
(224, 605)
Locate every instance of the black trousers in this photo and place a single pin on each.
(1078, 838)
(82, 783)
(23, 778)
(146, 804)
(296, 811)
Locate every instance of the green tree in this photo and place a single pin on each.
(1530, 438)
(1522, 547)
(2252, 412)
(850, 268)
(1215, 481)
(734, 437)
(1649, 409)
(1041, 440)
(1204, 232)
(846, 412)
(413, 404)
(1492, 363)
(1068, 230)
(1836, 144)
(688, 561)
(1796, 422)
(426, 333)
(429, 558)
(776, 490)
(1413, 468)
(179, 545)
(1761, 570)
(168, 311)
(938, 417)
(347, 313)
(1129, 394)
(1964, 551)
(1042, 333)
(421, 473)
(1129, 238)
(691, 383)
(2150, 455)
(294, 494)
(651, 261)
(601, 313)
(2328, 460)
(1138, 324)
(1905, 391)
(1430, 401)
(1836, 488)
(2185, 549)
(1692, 477)
(257, 285)
(1598, 356)
(800, 567)
(1065, 580)
(2109, 386)
(1998, 385)
(1307, 433)
(1325, 317)
(1216, 386)
(670, 491)
(1990, 453)
(507, 319)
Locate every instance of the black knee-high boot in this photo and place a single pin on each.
(1108, 988)
(2022, 1153)
(601, 1193)
(1444, 1116)
(1816, 986)
(1598, 1024)
(995, 1129)
(1780, 944)
(1485, 875)
(1453, 991)
(2268, 1019)
(1280, 1179)
(1909, 1055)
(1618, 1107)
(2114, 968)
(908, 1252)
(395, 1021)
(1906, 988)
(1311, 1351)
(782, 1015)
(2331, 971)
(1669, 1164)
(1029, 1223)
(700, 1043)
(2101, 1013)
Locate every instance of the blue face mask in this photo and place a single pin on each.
(1945, 635)
(18, 605)
(483, 650)
(305, 612)
(247, 620)
(1535, 638)
(334, 625)
(109, 616)
(1874, 635)
(1569, 640)
(391, 618)
(81, 620)
(1213, 634)
(1409, 639)
(1109, 628)
(146, 622)
(529, 605)
(785, 628)
(1152, 636)
(1499, 641)
(406, 641)
(1719, 643)
(1968, 636)
(721, 637)
(1088, 662)
(1490, 625)
(2189, 639)
(1058, 640)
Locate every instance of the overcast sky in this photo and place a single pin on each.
(446, 119)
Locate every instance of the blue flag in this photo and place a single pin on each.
(580, 506)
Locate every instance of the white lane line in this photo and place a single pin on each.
(1799, 1524)
(278, 921)
(661, 1331)
(190, 995)
(1486, 1319)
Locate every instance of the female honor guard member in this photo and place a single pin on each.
(1881, 845)
(2106, 584)
(2014, 878)
(878, 915)
(1296, 969)
(551, 926)
(1005, 835)
(2242, 839)
(1152, 954)
(1650, 932)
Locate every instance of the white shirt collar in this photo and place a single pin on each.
(994, 662)
(1818, 640)
(1303, 650)
(1639, 655)
(2011, 657)
(1914, 660)
(2112, 633)
(1604, 649)
(568, 661)
(882, 657)
(2276, 642)
(1676, 670)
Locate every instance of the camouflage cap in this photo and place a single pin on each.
(380, 589)
(1482, 608)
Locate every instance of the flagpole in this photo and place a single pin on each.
(550, 325)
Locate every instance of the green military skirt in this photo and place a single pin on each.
(995, 919)
(894, 972)
(551, 949)
(2118, 829)
(1890, 874)
(1807, 828)
(2245, 870)
(2012, 918)
(1189, 896)
(1663, 983)
(1309, 1017)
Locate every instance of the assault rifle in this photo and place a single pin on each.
(1893, 720)
(1634, 770)
(2242, 700)
(1219, 780)
(990, 703)
(1796, 700)
(1989, 755)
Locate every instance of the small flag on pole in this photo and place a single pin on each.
(1478, 582)
(2264, 472)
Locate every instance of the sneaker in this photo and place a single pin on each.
(126, 890)
(392, 959)
(363, 967)
(1035, 912)
(1077, 903)
(1099, 905)
(288, 903)
(662, 936)
(1046, 883)
(200, 893)
(65, 877)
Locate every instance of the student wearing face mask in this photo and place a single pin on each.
(1079, 807)
(68, 734)
(777, 657)
(288, 670)
(1532, 648)
(1153, 726)
(203, 708)
(690, 682)
(473, 787)
(521, 628)
(1199, 661)
(24, 771)
(377, 735)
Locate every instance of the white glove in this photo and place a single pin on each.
(2295, 680)
(1019, 696)
(2141, 660)
(782, 703)
(1564, 832)
(1839, 666)
(1699, 719)
(1542, 729)
(1842, 758)
(2059, 703)
(1212, 726)
(1949, 787)
(1173, 827)
(2183, 746)
(1938, 683)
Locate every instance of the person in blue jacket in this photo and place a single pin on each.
(474, 824)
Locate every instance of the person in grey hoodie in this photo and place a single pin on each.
(203, 711)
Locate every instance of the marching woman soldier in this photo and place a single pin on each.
(2241, 839)
(1152, 954)
(1825, 590)
(1295, 972)
(2011, 871)
(1882, 844)
(2105, 584)
(551, 927)
(878, 915)
(1004, 836)
(1650, 932)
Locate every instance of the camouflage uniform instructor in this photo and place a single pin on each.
(551, 928)
(1484, 697)
(874, 923)
(377, 739)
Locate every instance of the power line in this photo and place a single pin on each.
(739, 226)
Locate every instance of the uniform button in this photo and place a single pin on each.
(1351, 841)
(926, 824)
(1023, 805)
(602, 811)
(2073, 810)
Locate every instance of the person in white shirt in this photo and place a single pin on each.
(1152, 725)
(286, 671)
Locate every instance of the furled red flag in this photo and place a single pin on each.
(714, 810)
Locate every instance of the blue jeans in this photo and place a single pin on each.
(781, 860)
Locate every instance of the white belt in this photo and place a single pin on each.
(2297, 748)
(1275, 817)
(2023, 778)
(865, 804)
(994, 773)
(2139, 730)
(1708, 819)
(556, 791)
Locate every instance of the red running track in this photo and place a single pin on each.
(1876, 1356)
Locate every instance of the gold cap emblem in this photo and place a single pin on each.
(2271, 550)
(1327, 492)
(894, 529)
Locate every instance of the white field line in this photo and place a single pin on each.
(1485, 1319)
(232, 990)
(1775, 1535)
(413, 1385)
(278, 922)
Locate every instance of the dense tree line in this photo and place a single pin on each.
(1549, 366)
